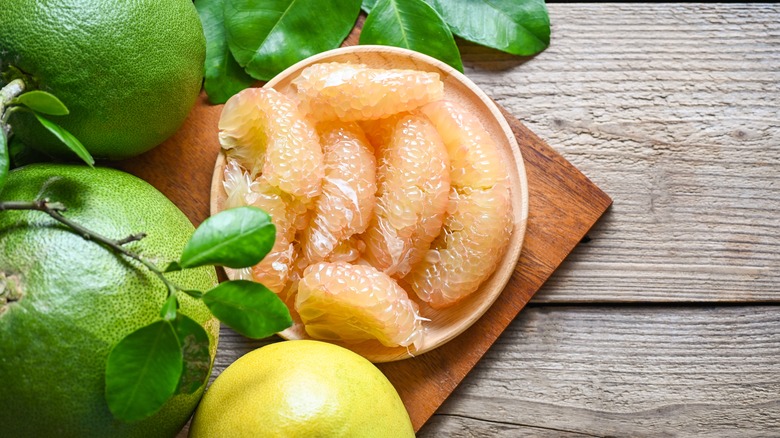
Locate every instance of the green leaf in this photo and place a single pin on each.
(249, 308)
(236, 238)
(519, 27)
(194, 343)
(142, 371)
(267, 36)
(173, 267)
(411, 24)
(194, 293)
(169, 308)
(68, 139)
(5, 160)
(368, 5)
(42, 102)
(224, 77)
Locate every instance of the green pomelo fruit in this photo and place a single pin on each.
(129, 71)
(65, 301)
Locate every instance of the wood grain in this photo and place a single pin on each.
(624, 371)
(673, 110)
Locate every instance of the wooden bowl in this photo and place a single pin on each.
(447, 323)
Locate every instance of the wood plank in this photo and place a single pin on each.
(672, 109)
(564, 205)
(624, 371)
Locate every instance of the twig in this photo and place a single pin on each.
(55, 210)
(8, 93)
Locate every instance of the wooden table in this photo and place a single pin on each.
(666, 321)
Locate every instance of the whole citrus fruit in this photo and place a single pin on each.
(65, 301)
(129, 71)
(301, 389)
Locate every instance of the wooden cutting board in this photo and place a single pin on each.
(564, 204)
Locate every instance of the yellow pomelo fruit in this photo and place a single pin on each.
(301, 389)
(128, 71)
(65, 301)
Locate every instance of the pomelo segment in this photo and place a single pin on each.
(479, 216)
(348, 192)
(273, 270)
(352, 92)
(352, 303)
(265, 132)
(413, 183)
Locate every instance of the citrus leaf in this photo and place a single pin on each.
(411, 24)
(42, 102)
(194, 293)
(168, 310)
(172, 267)
(68, 139)
(194, 343)
(236, 238)
(267, 36)
(249, 308)
(519, 27)
(5, 160)
(368, 5)
(142, 371)
(224, 77)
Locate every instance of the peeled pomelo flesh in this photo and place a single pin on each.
(265, 132)
(479, 216)
(273, 270)
(476, 231)
(413, 181)
(352, 92)
(348, 191)
(352, 303)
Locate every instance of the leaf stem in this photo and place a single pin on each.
(55, 210)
